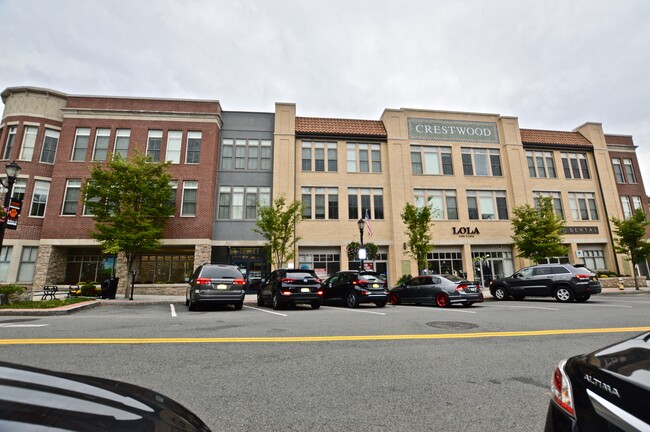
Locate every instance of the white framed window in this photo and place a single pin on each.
(102, 138)
(319, 156)
(174, 187)
(122, 138)
(481, 161)
(39, 198)
(442, 202)
(630, 177)
(627, 207)
(240, 202)
(193, 154)
(80, 147)
(27, 264)
(594, 259)
(361, 200)
(541, 164)
(636, 203)
(265, 155)
(190, 188)
(618, 170)
(363, 158)
(431, 160)
(557, 201)
(174, 141)
(154, 143)
(9, 145)
(50, 143)
(29, 143)
(20, 187)
(575, 165)
(71, 197)
(583, 206)
(5, 260)
(487, 205)
(320, 203)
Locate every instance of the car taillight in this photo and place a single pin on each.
(319, 292)
(360, 282)
(364, 293)
(203, 281)
(478, 286)
(461, 287)
(561, 389)
(583, 276)
(239, 282)
(287, 280)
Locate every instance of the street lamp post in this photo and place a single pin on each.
(360, 224)
(13, 169)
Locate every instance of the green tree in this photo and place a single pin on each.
(277, 224)
(353, 250)
(418, 229)
(538, 231)
(630, 239)
(130, 200)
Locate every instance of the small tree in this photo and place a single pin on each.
(538, 231)
(630, 239)
(418, 229)
(277, 224)
(130, 200)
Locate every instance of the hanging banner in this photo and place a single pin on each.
(12, 213)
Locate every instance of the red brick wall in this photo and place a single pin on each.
(151, 105)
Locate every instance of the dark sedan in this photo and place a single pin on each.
(33, 399)
(353, 288)
(440, 290)
(607, 390)
(290, 286)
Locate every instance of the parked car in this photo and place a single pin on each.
(607, 390)
(290, 286)
(353, 287)
(437, 289)
(565, 282)
(216, 284)
(37, 399)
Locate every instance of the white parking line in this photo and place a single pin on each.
(173, 310)
(608, 305)
(354, 310)
(527, 307)
(23, 325)
(267, 311)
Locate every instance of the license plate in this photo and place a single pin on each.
(222, 286)
(305, 290)
(375, 285)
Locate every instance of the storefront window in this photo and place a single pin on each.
(446, 263)
(324, 265)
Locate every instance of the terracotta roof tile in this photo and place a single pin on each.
(548, 137)
(619, 139)
(341, 127)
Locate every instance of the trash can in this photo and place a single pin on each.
(109, 287)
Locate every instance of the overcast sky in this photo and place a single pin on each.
(553, 64)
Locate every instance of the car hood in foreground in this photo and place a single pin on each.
(37, 400)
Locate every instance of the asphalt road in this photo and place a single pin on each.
(404, 368)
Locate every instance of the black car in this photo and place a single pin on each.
(437, 289)
(565, 282)
(605, 391)
(36, 399)
(353, 287)
(290, 286)
(216, 284)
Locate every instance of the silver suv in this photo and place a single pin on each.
(565, 282)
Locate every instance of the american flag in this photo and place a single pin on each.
(367, 219)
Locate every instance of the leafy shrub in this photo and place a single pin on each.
(12, 292)
(403, 279)
(89, 289)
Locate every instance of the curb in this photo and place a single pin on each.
(63, 310)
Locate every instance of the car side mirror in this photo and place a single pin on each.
(187, 279)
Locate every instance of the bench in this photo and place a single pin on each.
(49, 291)
(74, 291)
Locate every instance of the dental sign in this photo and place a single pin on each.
(453, 130)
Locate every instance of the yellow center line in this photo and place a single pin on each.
(108, 341)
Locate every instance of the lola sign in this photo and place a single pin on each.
(465, 231)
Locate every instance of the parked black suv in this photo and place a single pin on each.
(216, 283)
(605, 391)
(290, 286)
(565, 282)
(353, 287)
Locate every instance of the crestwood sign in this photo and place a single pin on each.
(453, 130)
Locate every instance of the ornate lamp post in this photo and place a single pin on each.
(13, 169)
(362, 250)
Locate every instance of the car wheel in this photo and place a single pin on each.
(315, 304)
(380, 304)
(276, 301)
(468, 304)
(518, 297)
(500, 293)
(352, 299)
(260, 299)
(564, 294)
(583, 298)
(239, 305)
(190, 305)
(394, 299)
(187, 300)
(442, 300)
